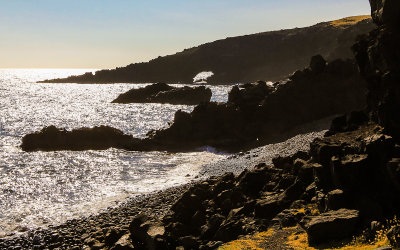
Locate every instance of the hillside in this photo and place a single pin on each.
(268, 56)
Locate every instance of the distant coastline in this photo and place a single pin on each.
(266, 56)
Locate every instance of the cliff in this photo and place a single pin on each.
(269, 55)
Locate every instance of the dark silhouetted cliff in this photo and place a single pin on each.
(269, 56)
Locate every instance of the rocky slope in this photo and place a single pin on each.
(351, 176)
(269, 55)
(346, 182)
(255, 114)
(163, 93)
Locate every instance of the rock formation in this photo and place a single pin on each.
(163, 93)
(378, 56)
(97, 138)
(269, 55)
(257, 113)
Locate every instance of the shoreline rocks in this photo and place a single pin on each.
(154, 205)
(337, 224)
(338, 177)
(257, 113)
(163, 93)
(96, 138)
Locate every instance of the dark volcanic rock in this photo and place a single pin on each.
(142, 95)
(385, 12)
(98, 138)
(378, 56)
(331, 225)
(163, 93)
(255, 114)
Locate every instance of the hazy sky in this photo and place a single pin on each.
(110, 33)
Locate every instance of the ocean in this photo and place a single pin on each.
(38, 189)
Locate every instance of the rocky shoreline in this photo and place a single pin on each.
(337, 177)
(73, 233)
(346, 184)
(255, 114)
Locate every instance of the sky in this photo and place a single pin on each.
(113, 33)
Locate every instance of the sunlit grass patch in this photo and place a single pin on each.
(349, 20)
(300, 241)
(250, 242)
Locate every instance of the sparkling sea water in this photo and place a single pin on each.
(47, 188)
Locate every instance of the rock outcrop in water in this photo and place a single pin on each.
(163, 93)
(257, 113)
(97, 138)
(269, 55)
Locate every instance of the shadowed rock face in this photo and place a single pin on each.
(256, 114)
(378, 56)
(269, 55)
(333, 191)
(385, 12)
(163, 93)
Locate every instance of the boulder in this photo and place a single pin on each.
(350, 170)
(141, 95)
(346, 122)
(335, 200)
(229, 230)
(269, 206)
(189, 242)
(145, 232)
(322, 150)
(253, 181)
(163, 93)
(288, 218)
(112, 236)
(186, 207)
(332, 225)
(250, 94)
(124, 243)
